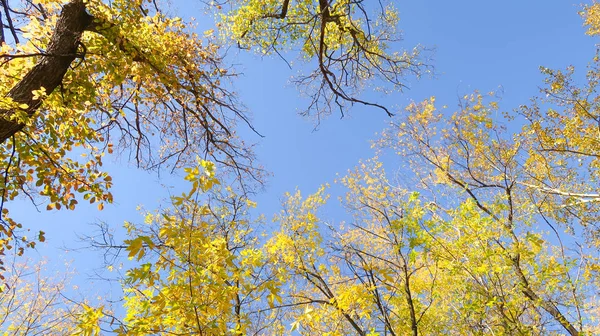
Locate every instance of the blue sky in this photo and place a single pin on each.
(476, 45)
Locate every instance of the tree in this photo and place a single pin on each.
(404, 263)
(142, 83)
(201, 268)
(532, 187)
(34, 302)
(348, 43)
(497, 234)
(93, 78)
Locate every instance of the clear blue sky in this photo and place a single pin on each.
(477, 45)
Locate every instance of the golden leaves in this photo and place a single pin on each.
(351, 45)
(197, 259)
(146, 83)
(591, 15)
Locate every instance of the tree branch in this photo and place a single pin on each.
(49, 72)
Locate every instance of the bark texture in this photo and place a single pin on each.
(51, 68)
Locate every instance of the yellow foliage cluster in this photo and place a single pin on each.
(497, 233)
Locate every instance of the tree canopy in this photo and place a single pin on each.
(493, 232)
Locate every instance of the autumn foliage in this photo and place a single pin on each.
(494, 232)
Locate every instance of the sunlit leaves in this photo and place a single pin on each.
(348, 45)
(33, 300)
(591, 15)
(142, 84)
(511, 194)
(89, 321)
(496, 233)
(199, 267)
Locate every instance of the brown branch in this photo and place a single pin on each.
(10, 22)
(548, 306)
(526, 289)
(284, 9)
(49, 72)
(409, 301)
(281, 15)
(2, 39)
(328, 76)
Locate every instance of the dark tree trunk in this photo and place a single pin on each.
(50, 70)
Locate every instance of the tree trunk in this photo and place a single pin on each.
(50, 70)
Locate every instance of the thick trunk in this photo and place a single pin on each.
(50, 70)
